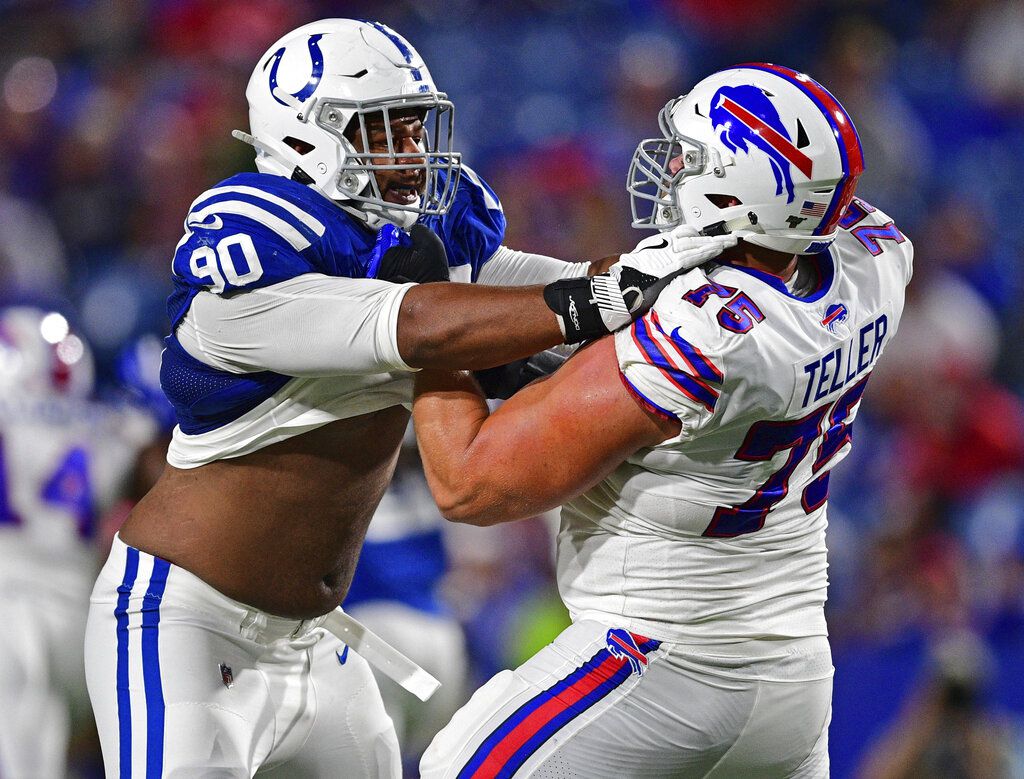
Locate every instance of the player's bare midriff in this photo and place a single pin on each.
(280, 529)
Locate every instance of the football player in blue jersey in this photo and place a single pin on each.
(212, 645)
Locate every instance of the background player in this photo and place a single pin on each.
(396, 593)
(288, 365)
(692, 455)
(64, 459)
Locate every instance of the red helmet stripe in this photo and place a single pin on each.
(847, 133)
(777, 140)
(846, 138)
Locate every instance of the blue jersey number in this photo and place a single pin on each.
(869, 235)
(739, 315)
(8, 516)
(766, 439)
(69, 486)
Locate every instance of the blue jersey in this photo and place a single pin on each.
(254, 230)
(403, 557)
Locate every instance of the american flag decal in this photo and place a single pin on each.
(813, 209)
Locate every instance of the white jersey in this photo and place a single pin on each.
(718, 534)
(63, 462)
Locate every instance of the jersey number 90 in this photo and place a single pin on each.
(219, 265)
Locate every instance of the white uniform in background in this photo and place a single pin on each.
(395, 593)
(63, 461)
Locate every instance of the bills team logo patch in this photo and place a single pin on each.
(746, 118)
(622, 646)
(835, 315)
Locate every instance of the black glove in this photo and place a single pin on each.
(504, 381)
(423, 262)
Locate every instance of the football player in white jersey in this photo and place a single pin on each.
(691, 454)
(64, 459)
(289, 366)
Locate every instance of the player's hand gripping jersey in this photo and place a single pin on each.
(279, 256)
(719, 534)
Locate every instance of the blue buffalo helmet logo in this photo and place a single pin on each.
(748, 118)
(317, 58)
(622, 646)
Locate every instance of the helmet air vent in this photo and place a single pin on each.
(724, 201)
(302, 147)
(801, 135)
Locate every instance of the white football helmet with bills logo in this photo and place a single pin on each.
(328, 79)
(40, 355)
(757, 149)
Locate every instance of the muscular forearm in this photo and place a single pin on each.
(600, 266)
(449, 414)
(470, 326)
(549, 442)
(479, 472)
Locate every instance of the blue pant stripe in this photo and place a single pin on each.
(151, 669)
(545, 734)
(124, 704)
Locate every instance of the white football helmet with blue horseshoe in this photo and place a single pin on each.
(757, 149)
(333, 76)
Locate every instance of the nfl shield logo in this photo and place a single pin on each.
(227, 676)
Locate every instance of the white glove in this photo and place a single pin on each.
(591, 307)
(680, 249)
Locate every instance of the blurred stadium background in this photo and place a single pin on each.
(115, 114)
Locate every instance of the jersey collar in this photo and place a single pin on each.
(823, 264)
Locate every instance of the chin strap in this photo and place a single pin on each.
(289, 166)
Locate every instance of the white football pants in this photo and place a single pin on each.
(42, 677)
(186, 682)
(600, 701)
(435, 643)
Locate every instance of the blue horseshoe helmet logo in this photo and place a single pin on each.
(314, 79)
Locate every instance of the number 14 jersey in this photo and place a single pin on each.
(718, 535)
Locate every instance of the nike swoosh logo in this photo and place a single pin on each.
(662, 245)
(342, 656)
(213, 222)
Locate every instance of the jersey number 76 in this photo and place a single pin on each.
(766, 439)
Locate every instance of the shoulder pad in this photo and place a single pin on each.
(671, 359)
(873, 230)
(276, 204)
(474, 227)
